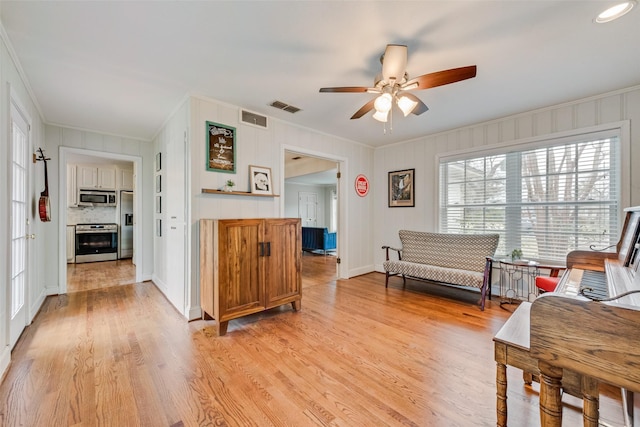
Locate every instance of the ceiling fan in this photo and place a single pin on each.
(393, 85)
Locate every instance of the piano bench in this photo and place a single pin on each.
(511, 345)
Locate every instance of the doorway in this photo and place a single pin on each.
(74, 276)
(311, 190)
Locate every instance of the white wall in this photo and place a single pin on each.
(421, 154)
(11, 82)
(265, 147)
(291, 192)
(97, 144)
(171, 248)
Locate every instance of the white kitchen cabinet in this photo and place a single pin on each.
(125, 179)
(71, 244)
(98, 177)
(72, 186)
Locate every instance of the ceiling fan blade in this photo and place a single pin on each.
(364, 110)
(344, 89)
(394, 62)
(420, 108)
(445, 77)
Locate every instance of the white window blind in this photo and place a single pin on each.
(546, 201)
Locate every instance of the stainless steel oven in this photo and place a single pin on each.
(96, 242)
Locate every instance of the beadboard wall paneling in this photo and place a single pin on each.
(57, 137)
(323, 192)
(598, 110)
(171, 248)
(264, 147)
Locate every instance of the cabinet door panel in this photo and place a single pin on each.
(107, 178)
(283, 265)
(240, 270)
(87, 177)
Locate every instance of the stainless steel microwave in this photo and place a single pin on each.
(96, 198)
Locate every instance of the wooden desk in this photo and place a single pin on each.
(511, 345)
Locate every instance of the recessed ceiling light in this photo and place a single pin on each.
(615, 12)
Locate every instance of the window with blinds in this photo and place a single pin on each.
(546, 201)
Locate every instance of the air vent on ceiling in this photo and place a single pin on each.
(283, 106)
(253, 119)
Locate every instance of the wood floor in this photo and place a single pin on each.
(357, 354)
(96, 275)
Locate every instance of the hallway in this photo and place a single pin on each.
(98, 275)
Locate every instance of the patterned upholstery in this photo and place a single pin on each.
(437, 274)
(457, 259)
(458, 251)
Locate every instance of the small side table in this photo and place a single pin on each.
(518, 279)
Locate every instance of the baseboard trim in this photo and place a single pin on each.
(5, 361)
(360, 271)
(194, 313)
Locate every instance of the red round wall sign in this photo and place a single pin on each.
(362, 185)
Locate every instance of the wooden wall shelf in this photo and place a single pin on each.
(236, 193)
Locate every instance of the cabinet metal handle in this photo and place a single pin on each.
(268, 248)
(261, 248)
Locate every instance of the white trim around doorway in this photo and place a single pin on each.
(343, 200)
(62, 207)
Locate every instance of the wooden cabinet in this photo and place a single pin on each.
(103, 178)
(249, 265)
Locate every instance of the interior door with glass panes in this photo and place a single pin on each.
(20, 218)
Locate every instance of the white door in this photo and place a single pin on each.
(19, 222)
(308, 208)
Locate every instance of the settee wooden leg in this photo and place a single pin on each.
(404, 281)
(386, 280)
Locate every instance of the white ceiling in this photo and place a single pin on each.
(122, 67)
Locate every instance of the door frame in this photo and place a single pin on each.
(138, 196)
(31, 261)
(342, 249)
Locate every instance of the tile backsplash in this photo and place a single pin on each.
(92, 215)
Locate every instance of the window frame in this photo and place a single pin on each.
(620, 129)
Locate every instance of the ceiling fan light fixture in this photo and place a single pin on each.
(615, 12)
(381, 116)
(413, 85)
(406, 104)
(383, 103)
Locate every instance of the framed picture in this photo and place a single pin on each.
(158, 204)
(260, 180)
(402, 189)
(158, 162)
(158, 183)
(221, 148)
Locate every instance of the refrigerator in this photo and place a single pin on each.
(126, 224)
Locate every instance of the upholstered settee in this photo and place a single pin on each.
(455, 259)
(318, 239)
